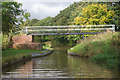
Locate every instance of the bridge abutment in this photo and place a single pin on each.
(25, 42)
(33, 37)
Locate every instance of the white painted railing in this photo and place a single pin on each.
(39, 30)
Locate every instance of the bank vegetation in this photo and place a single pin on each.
(103, 48)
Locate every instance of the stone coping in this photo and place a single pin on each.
(41, 54)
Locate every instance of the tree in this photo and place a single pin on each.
(26, 16)
(29, 22)
(35, 22)
(45, 22)
(12, 15)
(116, 8)
(95, 14)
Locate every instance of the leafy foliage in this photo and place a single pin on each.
(45, 22)
(35, 22)
(12, 15)
(30, 22)
(95, 14)
(116, 8)
(67, 16)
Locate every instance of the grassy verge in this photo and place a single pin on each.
(11, 55)
(102, 48)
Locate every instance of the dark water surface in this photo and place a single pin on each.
(58, 65)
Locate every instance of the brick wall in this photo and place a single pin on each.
(25, 42)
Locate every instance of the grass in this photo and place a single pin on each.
(102, 48)
(11, 55)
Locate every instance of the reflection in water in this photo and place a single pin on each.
(59, 65)
(83, 68)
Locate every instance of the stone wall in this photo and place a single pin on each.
(25, 42)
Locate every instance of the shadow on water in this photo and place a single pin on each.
(58, 65)
(11, 67)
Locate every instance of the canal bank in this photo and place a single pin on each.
(59, 65)
(102, 48)
(15, 57)
(42, 53)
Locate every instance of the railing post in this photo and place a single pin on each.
(113, 26)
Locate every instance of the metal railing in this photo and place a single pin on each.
(67, 30)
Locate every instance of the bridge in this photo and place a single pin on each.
(67, 30)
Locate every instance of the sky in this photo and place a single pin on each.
(41, 10)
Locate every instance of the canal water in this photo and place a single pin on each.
(58, 65)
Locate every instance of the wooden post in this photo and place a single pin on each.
(33, 38)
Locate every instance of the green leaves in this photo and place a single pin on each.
(35, 22)
(26, 16)
(95, 14)
(12, 15)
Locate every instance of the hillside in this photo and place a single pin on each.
(67, 16)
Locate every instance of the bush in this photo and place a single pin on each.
(5, 43)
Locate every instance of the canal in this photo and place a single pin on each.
(58, 65)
